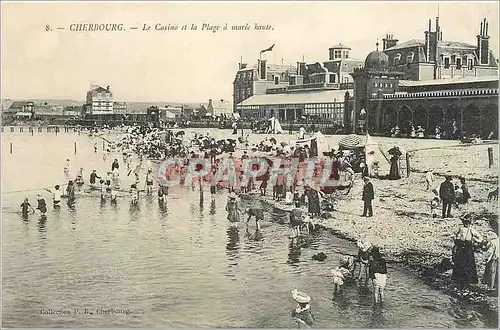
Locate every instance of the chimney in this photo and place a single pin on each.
(107, 88)
(431, 40)
(389, 41)
(483, 44)
(243, 66)
(263, 69)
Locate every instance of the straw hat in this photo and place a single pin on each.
(300, 297)
(364, 246)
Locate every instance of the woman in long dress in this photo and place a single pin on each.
(313, 202)
(394, 171)
(464, 270)
(490, 277)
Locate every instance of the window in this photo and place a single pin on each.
(98, 94)
(410, 58)
(337, 54)
(459, 63)
(375, 84)
(386, 85)
(276, 80)
(346, 54)
(332, 78)
(470, 63)
(346, 80)
(446, 62)
(397, 59)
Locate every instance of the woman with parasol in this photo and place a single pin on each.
(394, 171)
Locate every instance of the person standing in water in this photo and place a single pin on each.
(378, 274)
(115, 165)
(66, 169)
(149, 181)
(70, 191)
(42, 206)
(93, 177)
(56, 195)
(25, 206)
(302, 314)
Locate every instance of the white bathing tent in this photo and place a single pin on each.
(318, 144)
(275, 126)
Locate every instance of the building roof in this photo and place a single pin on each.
(448, 81)
(99, 89)
(297, 98)
(271, 67)
(376, 60)
(222, 106)
(340, 46)
(421, 43)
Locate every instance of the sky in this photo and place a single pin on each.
(194, 66)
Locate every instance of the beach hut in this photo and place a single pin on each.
(275, 126)
(318, 144)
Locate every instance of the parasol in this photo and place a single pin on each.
(284, 144)
(351, 141)
(273, 140)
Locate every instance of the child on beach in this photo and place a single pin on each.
(378, 274)
(79, 176)
(103, 189)
(25, 206)
(362, 260)
(149, 181)
(435, 206)
(114, 194)
(42, 206)
(56, 195)
(339, 275)
(134, 193)
(302, 313)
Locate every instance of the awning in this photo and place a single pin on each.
(328, 96)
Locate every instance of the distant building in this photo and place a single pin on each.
(255, 80)
(22, 109)
(217, 108)
(119, 107)
(99, 101)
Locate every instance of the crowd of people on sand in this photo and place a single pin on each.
(308, 200)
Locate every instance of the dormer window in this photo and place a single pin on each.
(397, 59)
(410, 58)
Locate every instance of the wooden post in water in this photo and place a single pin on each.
(75, 147)
(11, 147)
(490, 157)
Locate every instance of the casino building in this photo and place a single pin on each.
(427, 82)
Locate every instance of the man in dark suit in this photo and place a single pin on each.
(447, 195)
(368, 196)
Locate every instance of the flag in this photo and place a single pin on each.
(267, 49)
